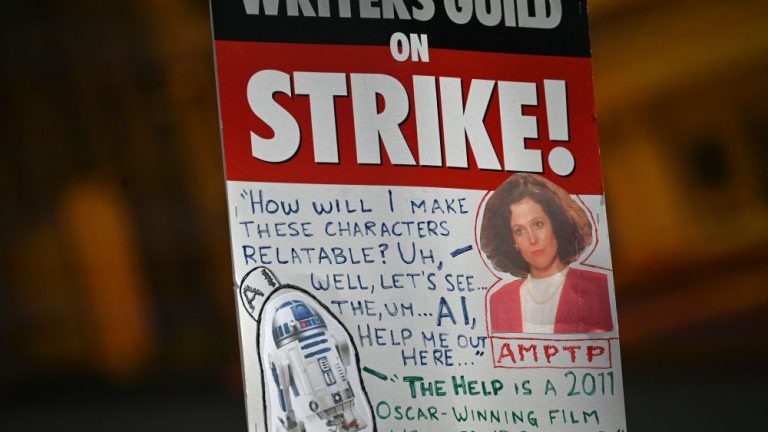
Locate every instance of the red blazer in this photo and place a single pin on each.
(584, 305)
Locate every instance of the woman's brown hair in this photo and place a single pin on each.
(570, 223)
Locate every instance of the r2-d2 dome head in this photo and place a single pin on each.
(293, 318)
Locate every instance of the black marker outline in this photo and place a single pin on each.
(282, 287)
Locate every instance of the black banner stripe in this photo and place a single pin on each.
(569, 38)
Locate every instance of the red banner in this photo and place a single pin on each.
(238, 62)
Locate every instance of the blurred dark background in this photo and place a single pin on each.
(116, 309)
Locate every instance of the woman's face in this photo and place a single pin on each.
(534, 238)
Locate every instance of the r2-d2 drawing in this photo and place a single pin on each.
(308, 366)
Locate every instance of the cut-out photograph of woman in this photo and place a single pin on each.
(532, 229)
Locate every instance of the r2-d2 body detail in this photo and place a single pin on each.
(309, 368)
